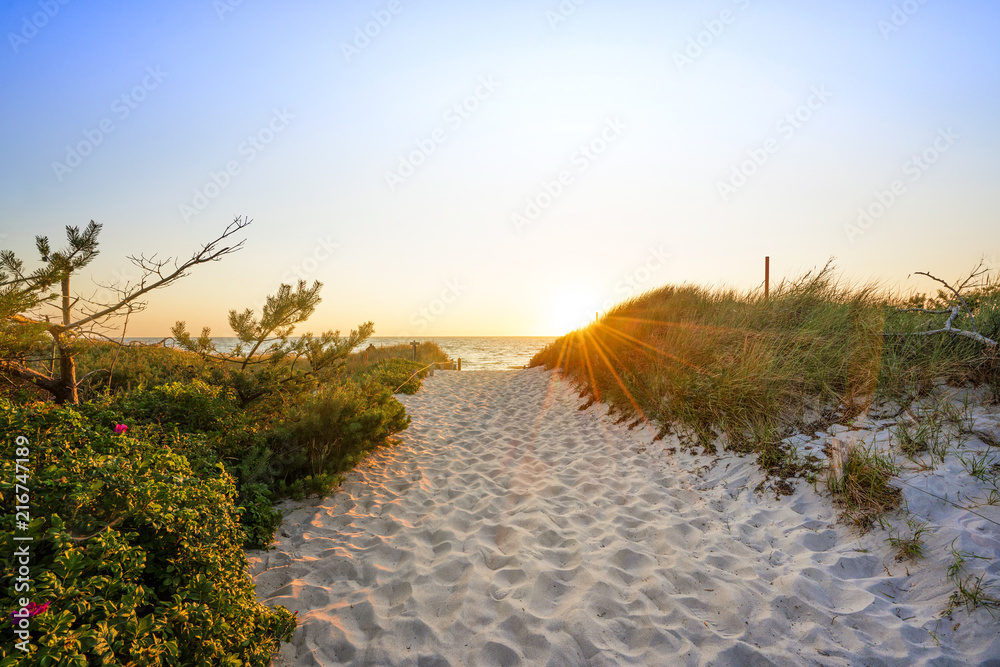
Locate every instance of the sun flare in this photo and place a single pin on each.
(570, 310)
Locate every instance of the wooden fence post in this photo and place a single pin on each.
(767, 276)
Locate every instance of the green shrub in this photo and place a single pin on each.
(135, 366)
(329, 431)
(192, 406)
(258, 518)
(400, 376)
(310, 485)
(139, 560)
(427, 352)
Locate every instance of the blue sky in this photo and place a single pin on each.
(598, 149)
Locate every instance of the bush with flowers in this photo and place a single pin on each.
(134, 558)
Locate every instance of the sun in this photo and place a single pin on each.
(570, 310)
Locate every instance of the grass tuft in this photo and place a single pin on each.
(861, 486)
(910, 547)
(970, 590)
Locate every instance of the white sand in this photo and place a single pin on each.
(511, 528)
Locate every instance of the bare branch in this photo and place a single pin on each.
(949, 326)
(951, 330)
(210, 252)
(957, 293)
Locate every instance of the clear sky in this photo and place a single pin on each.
(503, 168)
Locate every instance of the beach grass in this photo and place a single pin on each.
(861, 485)
(747, 370)
(909, 546)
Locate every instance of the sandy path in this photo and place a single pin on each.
(511, 528)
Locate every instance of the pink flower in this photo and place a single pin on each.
(120, 429)
(27, 612)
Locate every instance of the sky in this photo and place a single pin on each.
(505, 168)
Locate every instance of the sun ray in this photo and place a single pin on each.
(640, 344)
(590, 369)
(621, 383)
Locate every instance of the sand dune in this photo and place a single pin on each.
(509, 527)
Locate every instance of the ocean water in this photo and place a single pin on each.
(478, 353)
(481, 353)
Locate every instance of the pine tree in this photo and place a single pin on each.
(264, 342)
(28, 326)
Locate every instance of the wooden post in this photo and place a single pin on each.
(767, 276)
(414, 344)
(460, 363)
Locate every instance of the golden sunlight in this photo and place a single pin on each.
(570, 310)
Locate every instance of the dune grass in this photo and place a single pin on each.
(911, 546)
(745, 370)
(862, 486)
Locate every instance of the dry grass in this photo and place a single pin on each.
(721, 361)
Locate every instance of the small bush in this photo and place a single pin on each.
(310, 485)
(399, 376)
(135, 366)
(193, 406)
(427, 352)
(330, 430)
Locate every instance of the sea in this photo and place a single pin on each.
(478, 353)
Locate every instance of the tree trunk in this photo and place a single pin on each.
(67, 364)
(67, 379)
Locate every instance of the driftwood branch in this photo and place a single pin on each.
(958, 292)
(949, 326)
